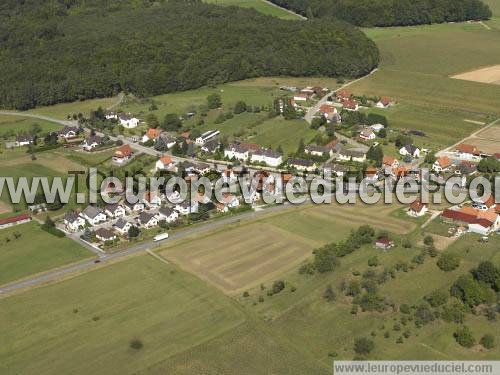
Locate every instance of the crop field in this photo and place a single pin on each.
(484, 75)
(84, 325)
(259, 5)
(487, 140)
(419, 77)
(26, 250)
(240, 258)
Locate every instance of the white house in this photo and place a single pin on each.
(417, 209)
(92, 142)
(200, 141)
(377, 127)
(270, 157)
(94, 215)
(211, 146)
(147, 220)
(134, 207)
(111, 116)
(468, 152)
(151, 134)
(315, 150)
(354, 155)
(441, 164)
(73, 222)
(167, 214)
(186, 207)
(114, 210)
(104, 234)
(230, 200)
(128, 121)
(384, 102)
(410, 150)
(367, 134)
(25, 139)
(122, 226)
(165, 163)
(302, 164)
(236, 151)
(68, 132)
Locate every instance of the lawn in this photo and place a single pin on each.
(18, 125)
(63, 110)
(84, 325)
(259, 5)
(34, 251)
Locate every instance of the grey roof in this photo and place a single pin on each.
(130, 204)
(112, 207)
(211, 145)
(268, 153)
(411, 148)
(239, 148)
(94, 139)
(25, 138)
(120, 223)
(353, 153)
(145, 217)
(68, 129)
(166, 211)
(91, 211)
(301, 162)
(104, 233)
(337, 167)
(71, 216)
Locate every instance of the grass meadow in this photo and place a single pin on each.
(34, 251)
(259, 5)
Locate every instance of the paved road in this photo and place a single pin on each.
(59, 273)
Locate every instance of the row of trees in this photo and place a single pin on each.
(171, 47)
(369, 13)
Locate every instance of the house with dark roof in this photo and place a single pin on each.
(114, 210)
(211, 146)
(25, 139)
(268, 156)
(68, 132)
(73, 222)
(105, 234)
(92, 142)
(352, 155)
(410, 150)
(147, 220)
(122, 226)
(94, 215)
(302, 164)
(133, 207)
(168, 214)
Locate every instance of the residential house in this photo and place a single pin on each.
(367, 134)
(167, 214)
(343, 95)
(384, 102)
(384, 243)
(196, 167)
(128, 121)
(467, 152)
(211, 147)
(354, 155)
(133, 207)
(230, 200)
(410, 150)
(417, 209)
(333, 147)
(237, 151)
(111, 116)
(115, 210)
(165, 163)
(302, 164)
(92, 142)
(478, 221)
(442, 164)
(221, 208)
(151, 134)
(270, 157)
(484, 203)
(205, 137)
(337, 170)
(25, 139)
(301, 97)
(152, 199)
(185, 208)
(123, 154)
(122, 226)
(350, 105)
(94, 215)
(105, 234)
(73, 222)
(371, 174)
(377, 127)
(315, 150)
(68, 132)
(390, 162)
(147, 220)
(328, 111)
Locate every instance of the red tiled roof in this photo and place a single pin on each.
(153, 133)
(417, 206)
(468, 149)
(388, 160)
(123, 151)
(444, 161)
(343, 94)
(350, 104)
(15, 219)
(166, 160)
(459, 216)
(326, 108)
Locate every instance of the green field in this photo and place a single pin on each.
(259, 5)
(84, 325)
(18, 125)
(34, 251)
(418, 77)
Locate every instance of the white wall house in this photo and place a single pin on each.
(200, 141)
(270, 157)
(94, 215)
(238, 152)
(128, 121)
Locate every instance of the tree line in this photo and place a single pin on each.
(370, 13)
(64, 50)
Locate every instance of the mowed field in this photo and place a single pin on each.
(416, 65)
(85, 325)
(239, 258)
(26, 250)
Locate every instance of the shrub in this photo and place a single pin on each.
(329, 294)
(428, 240)
(464, 337)
(437, 298)
(363, 346)
(136, 344)
(373, 261)
(487, 341)
(404, 308)
(278, 286)
(448, 262)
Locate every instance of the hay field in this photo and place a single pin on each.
(484, 75)
(487, 141)
(239, 258)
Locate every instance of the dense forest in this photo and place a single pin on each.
(368, 13)
(65, 50)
